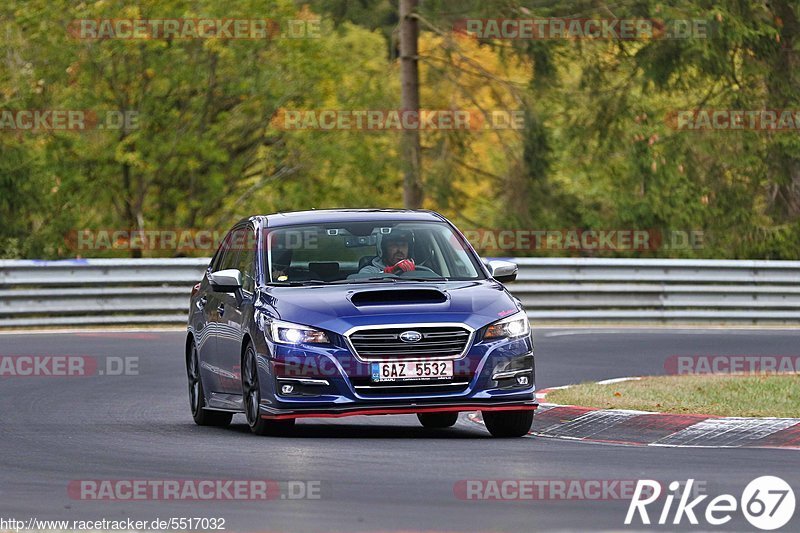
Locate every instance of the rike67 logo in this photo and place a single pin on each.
(767, 502)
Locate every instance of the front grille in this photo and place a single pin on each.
(437, 342)
(415, 388)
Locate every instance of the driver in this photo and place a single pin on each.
(394, 254)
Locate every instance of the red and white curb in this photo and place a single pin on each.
(642, 428)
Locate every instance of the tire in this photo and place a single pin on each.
(437, 420)
(197, 396)
(508, 423)
(251, 397)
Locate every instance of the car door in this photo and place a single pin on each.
(218, 378)
(205, 326)
(234, 311)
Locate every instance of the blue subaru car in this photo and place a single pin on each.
(346, 312)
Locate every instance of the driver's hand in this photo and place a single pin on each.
(406, 265)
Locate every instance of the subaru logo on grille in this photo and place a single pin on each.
(411, 336)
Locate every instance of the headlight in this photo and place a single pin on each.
(288, 333)
(516, 325)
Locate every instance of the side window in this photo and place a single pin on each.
(212, 266)
(228, 255)
(216, 261)
(246, 261)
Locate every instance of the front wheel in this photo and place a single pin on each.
(437, 420)
(197, 396)
(508, 423)
(251, 392)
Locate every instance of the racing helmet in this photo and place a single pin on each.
(395, 235)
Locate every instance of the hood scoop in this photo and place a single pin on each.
(398, 297)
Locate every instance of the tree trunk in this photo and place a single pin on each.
(409, 81)
(130, 212)
(782, 86)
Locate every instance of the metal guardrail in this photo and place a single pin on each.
(156, 291)
(97, 291)
(659, 290)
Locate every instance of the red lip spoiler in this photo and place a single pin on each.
(401, 411)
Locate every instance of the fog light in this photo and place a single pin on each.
(522, 380)
(287, 389)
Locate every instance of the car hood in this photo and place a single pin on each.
(339, 308)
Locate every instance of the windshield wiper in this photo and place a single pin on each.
(364, 280)
(294, 283)
(375, 279)
(392, 279)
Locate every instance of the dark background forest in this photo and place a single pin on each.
(597, 150)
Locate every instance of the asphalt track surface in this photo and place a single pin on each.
(377, 473)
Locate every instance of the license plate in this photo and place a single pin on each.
(412, 370)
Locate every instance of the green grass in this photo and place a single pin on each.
(722, 395)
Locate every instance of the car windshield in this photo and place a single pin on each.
(373, 252)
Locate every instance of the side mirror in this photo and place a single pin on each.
(229, 280)
(503, 271)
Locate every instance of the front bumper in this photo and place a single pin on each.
(331, 382)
